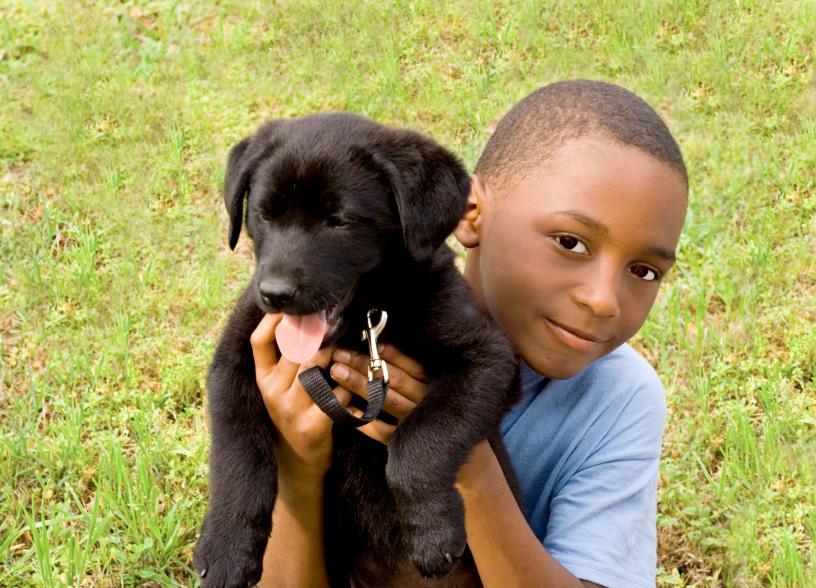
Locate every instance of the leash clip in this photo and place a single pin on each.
(370, 334)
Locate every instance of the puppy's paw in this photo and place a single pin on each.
(435, 534)
(229, 555)
(436, 550)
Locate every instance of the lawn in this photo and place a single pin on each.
(116, 276)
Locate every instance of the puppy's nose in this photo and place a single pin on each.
(278, 292)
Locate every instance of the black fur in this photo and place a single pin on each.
(343, 211)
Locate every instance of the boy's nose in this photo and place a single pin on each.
(600, 293)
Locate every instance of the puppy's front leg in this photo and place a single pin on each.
(461, 407)
(243, 470)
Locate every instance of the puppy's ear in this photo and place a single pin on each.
(431, 188)
(243, 160)
(236, 186)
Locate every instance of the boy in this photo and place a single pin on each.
(576, 209)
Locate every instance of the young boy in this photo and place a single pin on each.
(574, 217)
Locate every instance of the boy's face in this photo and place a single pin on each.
(569, 262)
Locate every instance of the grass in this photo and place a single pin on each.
(115, 275)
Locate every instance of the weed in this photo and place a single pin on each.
(115, 277)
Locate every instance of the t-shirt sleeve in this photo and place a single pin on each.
(602, 524)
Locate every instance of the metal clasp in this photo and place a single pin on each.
(370, 334)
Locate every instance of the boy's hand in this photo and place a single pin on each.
(406, 388)
(303, 440)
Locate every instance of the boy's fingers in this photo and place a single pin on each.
(289, 370)
(263, 345)
(411, 388)
(351, 378)
(376, 429)
(397, 404)
(288, 400)
(286, 369)
(409, 382)
(321, 359)
(343, 395)
(407, 364)
(281, 379)
(392, 355)
(408, 390)
(352, 359)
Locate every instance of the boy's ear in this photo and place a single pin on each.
(468, 230)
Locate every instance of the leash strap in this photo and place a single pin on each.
(321, 394)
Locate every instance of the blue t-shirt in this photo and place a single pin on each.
(587, 452)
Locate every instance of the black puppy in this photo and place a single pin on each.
(347, 215)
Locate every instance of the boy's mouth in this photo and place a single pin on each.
(578, 340)
(299, 337)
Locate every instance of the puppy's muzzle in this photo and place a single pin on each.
(278, 292)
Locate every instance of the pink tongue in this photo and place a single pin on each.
(299, 337)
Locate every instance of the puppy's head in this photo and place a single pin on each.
(327, 197)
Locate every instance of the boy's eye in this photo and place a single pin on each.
(645, 273)
(571, 244)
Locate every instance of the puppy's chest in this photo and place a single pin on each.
(405, 329)
(365, 526)
(406, 575)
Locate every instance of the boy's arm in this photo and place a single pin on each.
(505, 550)
(303, 447)
(294, 554)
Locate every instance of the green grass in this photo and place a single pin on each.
(115, 277)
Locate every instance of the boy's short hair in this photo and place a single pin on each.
(534, 129)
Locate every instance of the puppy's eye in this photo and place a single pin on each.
(266, 215)
(336, 220)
